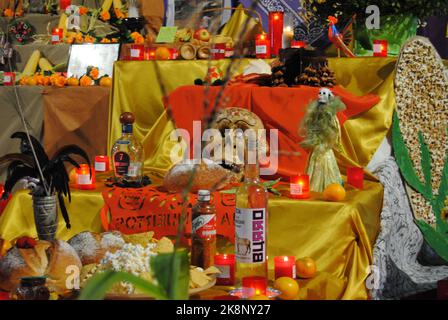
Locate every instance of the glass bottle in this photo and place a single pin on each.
(127, 152)
(251, 221)
(203, 248)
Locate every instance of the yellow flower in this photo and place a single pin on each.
(89, 39)
(79, 38)
(105, 40)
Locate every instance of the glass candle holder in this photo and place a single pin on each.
(57, 35)
(262, 46)
(276, 31)
(254, 286)
(83, 179)
(102, 164)
(226, 264)
(380, 48)
(285, 266)
(300, 187)
(355, 177)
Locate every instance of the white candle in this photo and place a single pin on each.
(288, 36)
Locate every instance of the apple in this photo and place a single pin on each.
(202, 34)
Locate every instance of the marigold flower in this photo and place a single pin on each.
(105, 15)
(83, 10)
(8, 13)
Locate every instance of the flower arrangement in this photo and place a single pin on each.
(21, 31)
(9, 13)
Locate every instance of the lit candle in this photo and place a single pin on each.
(218, 51)
(56, 35)
(150, 54)
(276, 31)
(226, 264)
(285, 267)
(262, 46)
(63, 4)
(83, 179)
(102, 164)
(254, 286)
(174, 54)
(298, 44)
(288, 36)
(355, 177)
(9, 78)
(300, 187)
(380, 48)
(137, 52)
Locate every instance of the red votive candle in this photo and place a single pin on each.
(9, 78)
(63, 4)
(218, 51)
(56, 35)
(102, 164)
(83, 179)
(380, 48)
(226, 264)
(355, 177)
(137, 52)
(300, 187)
(298, 44)
(262, 46)
(276, 31)
(254, 286)
(285, 266)
(150, 53)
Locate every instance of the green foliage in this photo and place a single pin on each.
(172, 272)
(437, 238)
(345, 9)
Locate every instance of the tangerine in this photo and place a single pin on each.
(162, 53)
(334, 192)
(288, 287)
(306, 268)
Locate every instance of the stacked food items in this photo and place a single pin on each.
(83, 256)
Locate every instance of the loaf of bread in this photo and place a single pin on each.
(91, 247)
(49, 259)
(208, 176)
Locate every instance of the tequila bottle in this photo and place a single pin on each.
(251, 221)
(127, 152)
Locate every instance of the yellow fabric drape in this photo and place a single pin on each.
(338, 235)
(361, 136)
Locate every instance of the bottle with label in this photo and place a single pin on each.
(251, 217)
(127, 152)
(203, 248)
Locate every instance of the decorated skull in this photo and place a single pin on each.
(231, 123)
(325, 95)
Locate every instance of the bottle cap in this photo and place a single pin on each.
(127, 118)
(204, 195)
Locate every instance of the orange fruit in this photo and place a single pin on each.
(73, 82)
(73, 176)
(32, 81)
(60, 81)
(334, 192)
(288, 287)
(306, 268)
(106, 82)
(259, 297)
(162, 53)
(85, 81)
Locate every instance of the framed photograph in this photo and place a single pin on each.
(102, 56)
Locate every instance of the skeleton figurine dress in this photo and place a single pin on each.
(322, 132)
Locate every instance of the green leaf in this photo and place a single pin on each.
(98, 285)
(436, 240)
(439, 203)
(426, 164)
(404, 160)
(172, 271)
(230, 191)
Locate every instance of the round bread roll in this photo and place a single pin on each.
(91, 247)
(209, 176)
(49, 259)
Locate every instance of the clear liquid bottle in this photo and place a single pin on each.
(251, 218)
(127, 152)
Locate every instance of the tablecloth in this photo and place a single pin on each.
(339, 236)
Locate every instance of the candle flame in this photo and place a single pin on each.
(288, 29)
(285, 259)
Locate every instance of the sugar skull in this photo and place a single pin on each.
(325, 95)
(235, 125)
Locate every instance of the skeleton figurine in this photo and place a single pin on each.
(322, 132)
(6, 50)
